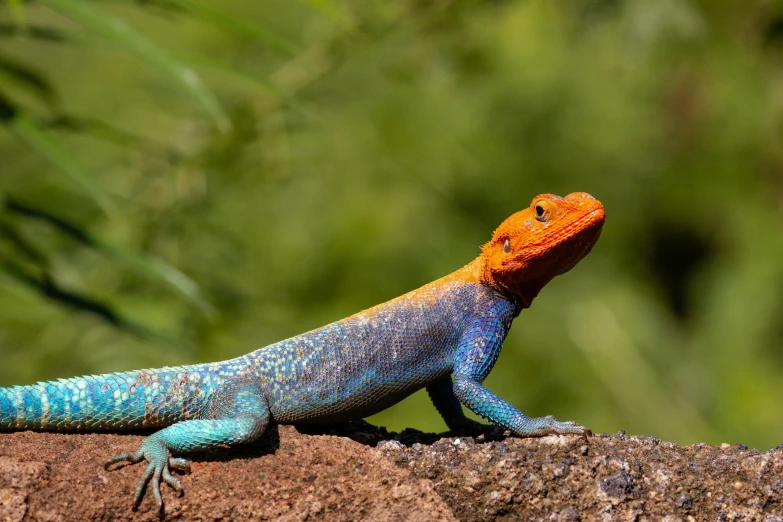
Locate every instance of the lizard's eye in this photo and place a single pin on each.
(541, 212)
(507, 247)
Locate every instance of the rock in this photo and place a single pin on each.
(359, 472)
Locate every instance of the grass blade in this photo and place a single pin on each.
(37, 32)
(236, 74)
(149, 267)
(103, 131)
(49, 289)
(30, 132)
(25, 79)
(157, 269)
(220, 19)
(119, 32)
(17, 11)
(330, 8)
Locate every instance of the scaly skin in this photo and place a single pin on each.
(445, 336)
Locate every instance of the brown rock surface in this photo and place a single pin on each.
(359, 472)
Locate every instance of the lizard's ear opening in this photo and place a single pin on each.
(500, 256)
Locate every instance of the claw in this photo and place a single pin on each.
(142, 488)
(158, 470)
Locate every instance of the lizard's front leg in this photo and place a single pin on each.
(479, 348)
(483, 402)
(240, 415)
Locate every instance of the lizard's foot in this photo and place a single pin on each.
(469, 426)
(549, 425)
(568, 428)
(160, 464)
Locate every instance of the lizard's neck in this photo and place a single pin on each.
(519, 291)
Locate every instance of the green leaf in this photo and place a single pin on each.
(11, 233)
(219, 18)
(287, 98)
(119, 32)
(17, 11)
(31, 133)
(23, 78)
(36, 32)
(330, 8)
(103, 131)
(150, 267)
(157, 269)
(51, 290)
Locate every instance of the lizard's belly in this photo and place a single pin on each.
(350, 408)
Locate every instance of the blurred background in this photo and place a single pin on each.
(184, 181)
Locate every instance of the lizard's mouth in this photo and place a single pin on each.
(585, 232)
(593, 222)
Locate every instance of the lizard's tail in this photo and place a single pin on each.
(65, 404)
(7, 406)
(112, 401)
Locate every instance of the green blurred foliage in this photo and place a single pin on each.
(185, 183)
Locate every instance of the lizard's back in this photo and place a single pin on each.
(368, 361)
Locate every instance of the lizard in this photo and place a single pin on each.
(444, 336)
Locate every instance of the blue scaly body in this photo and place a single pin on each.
(444, 336)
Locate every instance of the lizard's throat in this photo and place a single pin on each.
(520, 291)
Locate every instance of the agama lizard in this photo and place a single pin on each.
(444, 336)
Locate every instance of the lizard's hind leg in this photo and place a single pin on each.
(237, 414)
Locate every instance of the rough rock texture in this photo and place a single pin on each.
(359, 472)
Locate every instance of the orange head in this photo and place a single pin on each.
(540, 242)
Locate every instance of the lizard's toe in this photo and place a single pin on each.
(125, 457)
(539, 427)
(159, 470)
(142, 487)
(179, 464)
(173, 481)
(156, 477)
(568, 428)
